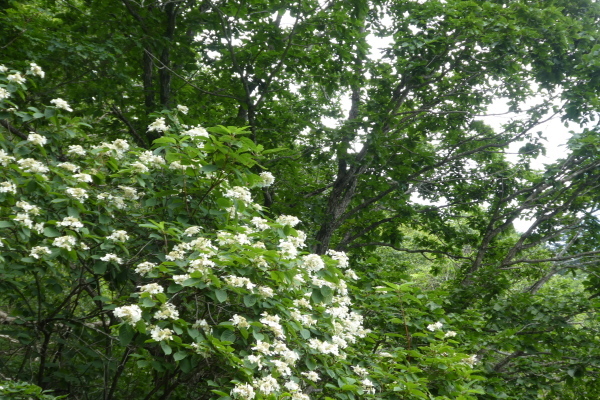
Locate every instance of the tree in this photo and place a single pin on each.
(413, 126)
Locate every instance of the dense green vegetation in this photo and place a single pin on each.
(248, 199)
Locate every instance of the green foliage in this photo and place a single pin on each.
(24, 391)
(378, 147)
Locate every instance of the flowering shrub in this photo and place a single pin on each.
(166, 256)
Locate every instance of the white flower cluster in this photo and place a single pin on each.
(118, 236)
(37, 139)
(110, 257)
(76, 150)
(130, 314)
(118, 146)
(32, 166)
(83, 178)
(267, 179)
(16, 78)
(145, 267)
(158, 126)
(239, 193)
(65, 242)
(435, 327)
(5, 159)
(69, 167)
(78, 194)
(287, 220)
(167, 311)
(4, 94)
(182, 109)
(159, 334)
(196, 132)
(38, 251)
(35, 69)
(8, 187)
(152, 288)
(70, 222)
(61, 104)
(151, 160)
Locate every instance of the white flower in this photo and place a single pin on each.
(260, 223)
(340, 257)
(435, 327)
(196, 132)
(76, 149)
(159, 334)
(77, 193)
(16, 78)
(368, 386)
(8, 187)
(39, 228)
(267, 179)
(68, 166)
(37, 139)
(150, 159)
(36, 70)
(237, 281)
(145, 267)
(450, 334)
(65, 242)
(272, 322)
(70, 222)
(292, 386)
(312, 375)
(110, 257)
(118, 236)
(85, 178)
(471, 360)
(61, 104)
(267, 385)
(5, 159)
(139, 167)
(152, 288)
(179, 279)
(239, 193)
(282, 367)
(130, 314)
(191, 231)
(33, 166)
(202, 324)
(3, 68)
(266, 291)
(358, 370)
(313, 262)
(159, 125)
(288, 250)
(287, 220)
(24, 220)
(29, 208)
(243, 391)
(38, 251)
(4, 94)
(350, 274)
(167, 311)
(182, 109)
(239, 321)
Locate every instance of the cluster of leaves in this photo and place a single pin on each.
(24, 391)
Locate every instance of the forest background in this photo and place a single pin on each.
(244, 199)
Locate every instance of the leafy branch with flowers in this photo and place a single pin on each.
(158, 271)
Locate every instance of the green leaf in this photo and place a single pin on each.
(166, 348)
(221, 295)
(126, 333)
